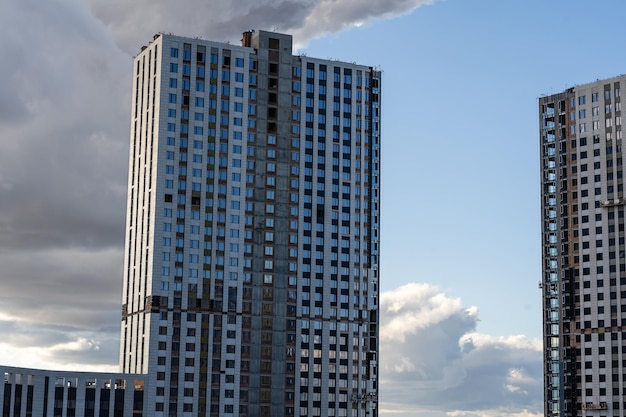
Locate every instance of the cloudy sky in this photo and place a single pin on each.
(460, 257)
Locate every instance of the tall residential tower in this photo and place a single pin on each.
(252, 238)
(584, 262)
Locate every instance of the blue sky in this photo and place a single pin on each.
(460, 306)
(460, 176)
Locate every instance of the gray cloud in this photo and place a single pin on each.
(330, 16)
(133, 23)
(51, 287)
(434, 363)
(63, 158)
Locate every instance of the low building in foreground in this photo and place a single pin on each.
(584, 262)
(36, 392)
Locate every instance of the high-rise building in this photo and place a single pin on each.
(584, 266)
(252, 238)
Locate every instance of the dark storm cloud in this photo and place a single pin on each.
(330, 16)
(86, 351)
(53, 301)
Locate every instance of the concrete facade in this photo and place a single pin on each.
(584, 267)
(251, 268)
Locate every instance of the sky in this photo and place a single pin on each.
(460, 253)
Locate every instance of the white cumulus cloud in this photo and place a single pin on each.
(433, 362)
